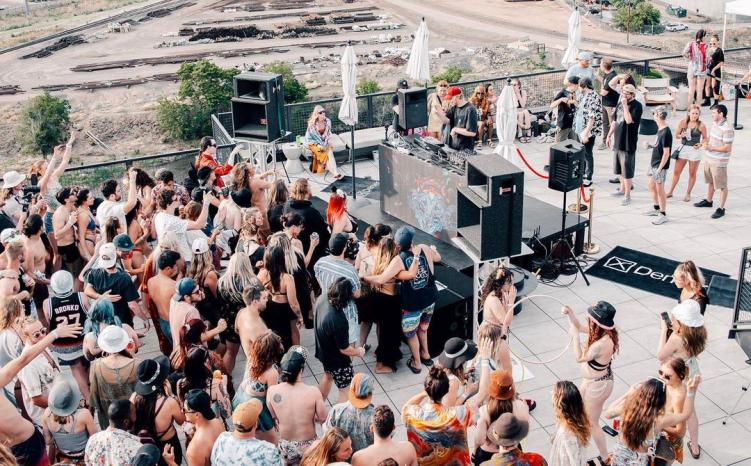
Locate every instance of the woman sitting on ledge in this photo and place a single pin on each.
(318, 135)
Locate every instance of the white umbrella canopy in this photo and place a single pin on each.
(348, 108)
(574, 38)
(506, 125)
(418, 67)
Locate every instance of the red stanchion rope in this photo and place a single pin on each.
(584, 196)
(529, 166)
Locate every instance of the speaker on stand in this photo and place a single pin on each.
(413, 108)
(258, 106)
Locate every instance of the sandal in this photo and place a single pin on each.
(491, 145)
(410, 365)
(668, 195)
(686, 198)
(338, 177)
(428, 362)
(691, 450)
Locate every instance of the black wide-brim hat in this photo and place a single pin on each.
(603, 314)
(456, 352)
(150, 377)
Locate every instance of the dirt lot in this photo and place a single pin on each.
(123, 118)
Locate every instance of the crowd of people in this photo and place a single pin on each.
(229, 261)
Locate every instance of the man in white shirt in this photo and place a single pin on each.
(37, 377)
(111, 206)
(167, 219)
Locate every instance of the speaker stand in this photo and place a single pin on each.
(563, 243)
(744, 389)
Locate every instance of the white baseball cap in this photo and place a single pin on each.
(200, 246)
(107, 255)
(113, 339)
(10, 235)
(61, 283)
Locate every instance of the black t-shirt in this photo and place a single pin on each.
(664, 140)
(463, 117)
(611, 99)
(626, 136)
(718, 56)
(332, 335)
(566, 112)
(118, 283)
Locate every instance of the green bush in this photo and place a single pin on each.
(294, 90)
(43, 123)
(642, 14)
(205, 88)
(451, 75)
(368, 86)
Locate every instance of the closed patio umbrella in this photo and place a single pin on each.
(574, 39)
(506, 124)
(418, 67)
(348, 108)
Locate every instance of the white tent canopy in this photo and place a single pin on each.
(574, 39)
(737, 7)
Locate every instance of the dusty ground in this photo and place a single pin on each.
(123, 117)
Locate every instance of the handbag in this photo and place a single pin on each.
(676, 152)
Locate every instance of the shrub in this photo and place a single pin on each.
(43, 123)
(642, 14)
(368, 86)
(205, 88)
(452, 74)
(294, 90)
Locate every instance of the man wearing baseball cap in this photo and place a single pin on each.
(461, 119)
(110, 282)
(581, 68)
(623, 138)
(182, 307)
(208, 426)
(241, 445)
(355, 415)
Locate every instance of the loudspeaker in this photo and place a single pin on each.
(413, 107)
(566, 166)
(452, 316)
(258, 106)
(490, 207)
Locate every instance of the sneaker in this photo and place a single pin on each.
(660, 220)
(617, 193)
(615, 180)
(703, 203)
(626, 201)
(718, 213)
(586, 182)
(652, 213)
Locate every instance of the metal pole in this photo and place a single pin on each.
(475, 297)
(735, 117)
(352, 157)
(628, 23)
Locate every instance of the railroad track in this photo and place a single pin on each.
(101, 22)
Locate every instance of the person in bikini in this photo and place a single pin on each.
(498, 297)
(596, 359)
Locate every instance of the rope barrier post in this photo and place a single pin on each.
(737, 126)
(578, 207)
(591, 248)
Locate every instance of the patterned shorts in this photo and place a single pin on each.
(342, 375)
(657, 175)
(411, 320)
(292, 450)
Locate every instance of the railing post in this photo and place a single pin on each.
(288, 118)
(646, 67)
(369, 101)
(128, 163)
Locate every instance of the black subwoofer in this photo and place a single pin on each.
(566, 166)
(413, 107)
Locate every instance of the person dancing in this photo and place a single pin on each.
(497, 298)
(595, 360)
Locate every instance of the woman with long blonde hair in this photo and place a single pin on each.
(692, 133)
(687, 341)
(230, 286)
(643, 417)
(387, 306)
(201, 269)
(574, 429)
(689, 279)
(595, 358)
(318, 136)
(335, 446)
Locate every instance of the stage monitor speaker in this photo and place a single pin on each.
(566, 166)
(490, 207)
(258, 106)
(413, 107)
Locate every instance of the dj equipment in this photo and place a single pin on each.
(490, 207)
(413, 107)
(258, 106)
(566, 166)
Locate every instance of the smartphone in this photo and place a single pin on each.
(610, 431)
(666, 318)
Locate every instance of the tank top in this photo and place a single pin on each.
(420, 292)
(71, 443)
(695, 136)
(67, 310)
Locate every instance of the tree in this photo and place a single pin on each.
(205, 88)
(368, 86)
(44, 123)
(642, 13)
(451, 75)
(294, 90)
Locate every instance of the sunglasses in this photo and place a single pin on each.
(322, 112)
(39, 333)
(663, 374)
(480, 94)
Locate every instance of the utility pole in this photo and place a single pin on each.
(26, 9)
(628, 21)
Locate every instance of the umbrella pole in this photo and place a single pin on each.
(352, 158)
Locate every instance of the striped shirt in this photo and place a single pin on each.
(327, 270)
(719, 135)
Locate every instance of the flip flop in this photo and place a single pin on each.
(691, 450)
(411, 367)
(428, 362)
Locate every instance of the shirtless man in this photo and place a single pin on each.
(63, 222)
(11, 277)
(207, 427)
(384, 447)
(26, 442)
(248, 323)
(161, 289)
(35, 255)
(296, 408)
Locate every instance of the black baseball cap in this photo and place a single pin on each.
(147, 455)
(200, 402)
(337, 243)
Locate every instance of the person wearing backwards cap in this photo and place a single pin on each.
(461, 119)
(355, 415)
(182, 307)
(114, 284)
(207, 427)
(582, 68)
(241, 445)
(508, 432)
(295, 406)
(68, 306)
(687, 341)
(595, 359)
